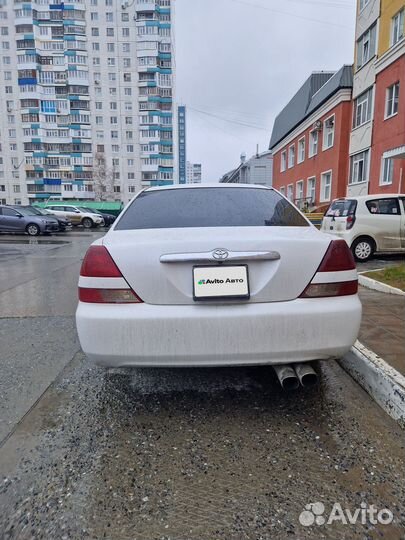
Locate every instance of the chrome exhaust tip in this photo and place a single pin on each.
(287, 377)
(306, 374)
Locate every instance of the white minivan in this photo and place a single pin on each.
(369, 224)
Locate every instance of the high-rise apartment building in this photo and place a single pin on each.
(85, 99)
(193, 173)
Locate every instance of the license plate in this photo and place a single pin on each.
(215, 282)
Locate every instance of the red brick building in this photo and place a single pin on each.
(310, 140)
(387, 168)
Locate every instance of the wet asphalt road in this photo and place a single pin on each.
(170, 454)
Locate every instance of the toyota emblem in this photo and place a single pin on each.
(220, 254)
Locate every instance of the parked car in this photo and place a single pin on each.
(108, 218)
(63, 223)
(216, 275)
(369, 224)
(23, 221)
(76, 215)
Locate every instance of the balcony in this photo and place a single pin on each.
(79, 195)
(145, 5)
(150, 168)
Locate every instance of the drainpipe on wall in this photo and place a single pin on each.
(400, 180)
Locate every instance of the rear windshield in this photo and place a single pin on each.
(210, 207)
(343, 208)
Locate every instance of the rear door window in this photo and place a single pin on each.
(9, 212)
(342, 208)
(386, 207)
(210, 207)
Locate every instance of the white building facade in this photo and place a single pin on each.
(367, 27)
(256, 170)
(85, 99)
(193, 173)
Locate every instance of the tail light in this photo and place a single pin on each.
(350, 222)
(338, 258)
(101, 281)
(336, 275)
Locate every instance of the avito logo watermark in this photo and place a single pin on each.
(217, 281)
(314, 514)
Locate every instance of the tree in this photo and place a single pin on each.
(103, 178)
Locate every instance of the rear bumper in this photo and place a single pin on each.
(206, 335)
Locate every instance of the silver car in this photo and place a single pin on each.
(22, 221)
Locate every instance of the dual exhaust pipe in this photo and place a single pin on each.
(292, 375)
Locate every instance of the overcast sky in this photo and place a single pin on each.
(242, 60)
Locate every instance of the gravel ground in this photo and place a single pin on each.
(198, 454)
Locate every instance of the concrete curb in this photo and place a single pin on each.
(384, 383)
(378, 286)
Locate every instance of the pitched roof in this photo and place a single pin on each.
(317, 89)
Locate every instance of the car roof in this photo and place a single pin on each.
(361, 198)
(207, 185)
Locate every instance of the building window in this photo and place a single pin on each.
(299, 191)
(291, 156)
(392, 99)
(301, 150)
(397, 27)
(362, 108)
(366, 46)
(282, 190)
(311, 185)
(363, 4)
(326, 186)
(283, 163)
(290, 192)
(328, 132)
(387, 171)
(359, 167)
(313, 143)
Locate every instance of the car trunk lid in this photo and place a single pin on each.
(158, 263)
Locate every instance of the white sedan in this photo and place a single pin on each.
(216, 275)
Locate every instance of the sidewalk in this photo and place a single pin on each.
(383, 326)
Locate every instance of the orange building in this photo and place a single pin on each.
(387, 168)
(310, 140)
